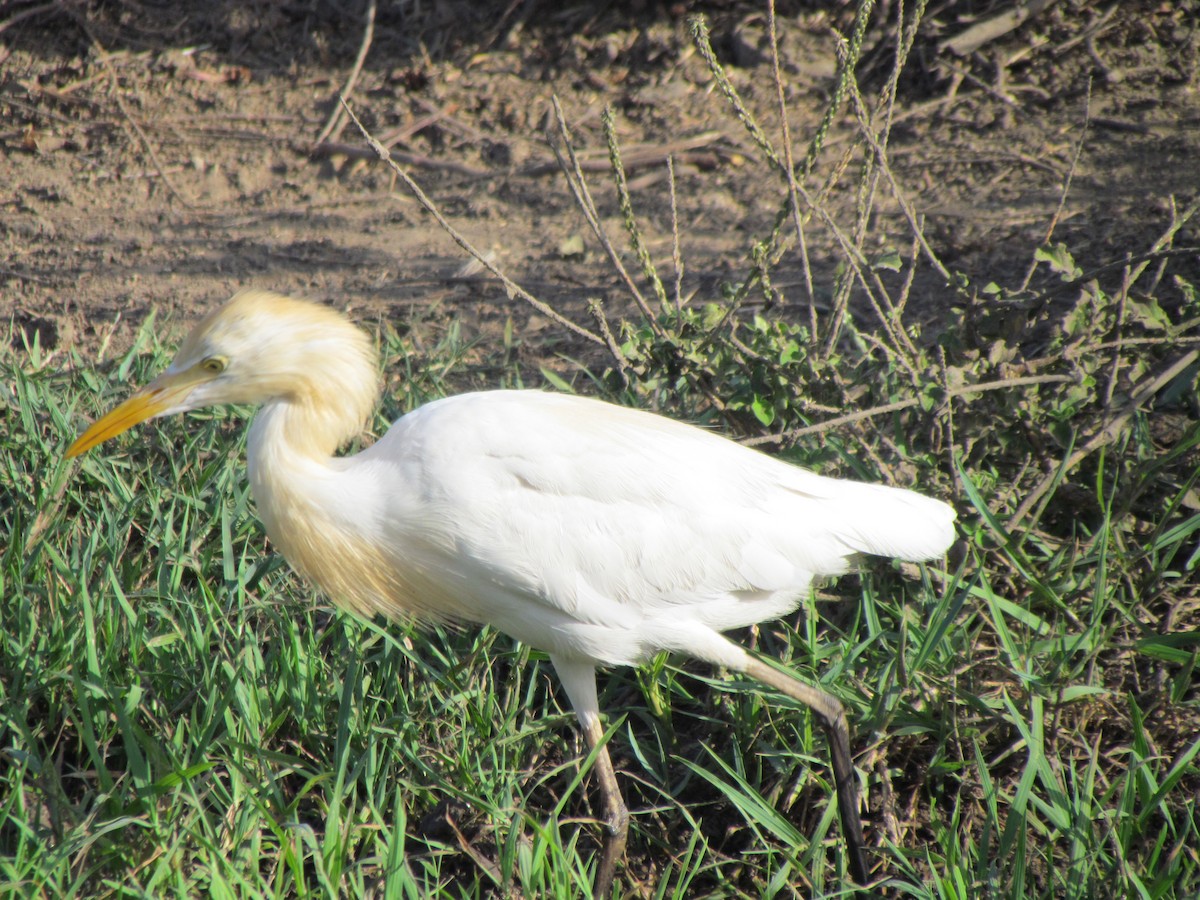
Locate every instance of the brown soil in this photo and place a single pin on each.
(158, 157)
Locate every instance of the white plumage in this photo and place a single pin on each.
(590, 529)
(597, 533)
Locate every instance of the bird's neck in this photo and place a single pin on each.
(289, 457)
(310, 501)
(311, 424)
(299, 487)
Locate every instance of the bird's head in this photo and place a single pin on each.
(256, 348)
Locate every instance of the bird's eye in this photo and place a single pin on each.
(214, 364)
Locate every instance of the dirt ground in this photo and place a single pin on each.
(162, 156)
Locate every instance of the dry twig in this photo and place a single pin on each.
(881, 158)
(789, 171)
(1111, 430)
(115, 82)
(997, 26)
(29, 13)
(899, 405)
(583, 199)
(511, 287)
(337, 148)
(335, 124)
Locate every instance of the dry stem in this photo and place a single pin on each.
(511, 287)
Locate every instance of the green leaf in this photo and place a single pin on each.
(1176, 648)
(889, 259)
(571, 247)
(557, 381)
(1149, 314)
(763, 410)
(1059, 259)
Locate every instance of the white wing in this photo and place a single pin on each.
(580, 524)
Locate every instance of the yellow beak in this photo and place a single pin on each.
(164, 393)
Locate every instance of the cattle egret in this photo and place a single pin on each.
(599, 534)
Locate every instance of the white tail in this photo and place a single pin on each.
(892, 522)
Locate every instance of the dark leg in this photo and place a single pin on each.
(833, 719)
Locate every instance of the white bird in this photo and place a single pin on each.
(599, 534)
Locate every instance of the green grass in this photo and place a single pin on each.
(180, 716)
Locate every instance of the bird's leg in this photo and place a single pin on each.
(616, 812)
(579, 678)
(833, 718)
